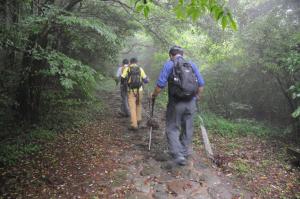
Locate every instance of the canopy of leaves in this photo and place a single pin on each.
(255, 67)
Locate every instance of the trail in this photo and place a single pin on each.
(105, 160)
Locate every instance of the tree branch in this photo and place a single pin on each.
(133, 46)
(72, 4)
(130, 10)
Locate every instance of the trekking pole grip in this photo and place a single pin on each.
(152, 106)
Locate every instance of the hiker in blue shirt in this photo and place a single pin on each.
(181, 106)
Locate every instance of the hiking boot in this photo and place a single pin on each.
(139, 122)
(188, 153)
(140, 125)
(132, 128)
(120, 114)
(180, 160)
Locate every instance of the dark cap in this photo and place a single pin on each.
(174, 50)
(125, 61)
(133, 60)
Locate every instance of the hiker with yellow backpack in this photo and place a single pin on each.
(134, 76)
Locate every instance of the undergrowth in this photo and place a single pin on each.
(233, 128)
(226, 127)
(14, 149)
(72, 113)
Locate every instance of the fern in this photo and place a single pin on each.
(71, 73)
(89, 24)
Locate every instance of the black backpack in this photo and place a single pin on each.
(134, 77)
(183, 83)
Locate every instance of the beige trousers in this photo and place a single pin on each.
(135, 106)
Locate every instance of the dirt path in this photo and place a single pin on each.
(105, 160)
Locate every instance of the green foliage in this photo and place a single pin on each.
(58, 56)
(12, 151)
(233, 145)
(292, 62)
(162, 99)
(225, 127)
(62, 112)
(9, 154)
(241, 167)
(41, 134)
(194, 9)
(71, 72)
(276, 36)
(106, 84)
(143, 7)
(296, 113)
(88, 23)
(248, 72)
(34, 24)
(255, 67)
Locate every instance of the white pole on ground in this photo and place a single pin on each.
(207, 145)
(206, 142)
(150, 138)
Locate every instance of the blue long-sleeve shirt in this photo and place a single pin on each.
(167, 70)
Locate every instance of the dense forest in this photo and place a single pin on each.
(55, 52)
(58, 55)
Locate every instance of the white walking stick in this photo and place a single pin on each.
(207, 145)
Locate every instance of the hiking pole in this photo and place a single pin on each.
(151, 126)
(207, 145)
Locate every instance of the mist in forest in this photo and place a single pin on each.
(249, 73)
(55, 54)
(60, 130)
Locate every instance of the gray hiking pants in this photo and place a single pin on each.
(124, 100)
(179, 127)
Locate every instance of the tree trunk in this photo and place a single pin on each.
(30, 86)
(292, 104)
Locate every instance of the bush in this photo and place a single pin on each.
(11, 151)
(234, 128)
(41, 135)
(9, 154)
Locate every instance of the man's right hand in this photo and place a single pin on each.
(199, 93)
(155, 93)
(152, 96)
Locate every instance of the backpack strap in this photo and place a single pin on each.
(173, 69)
(175, 61)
